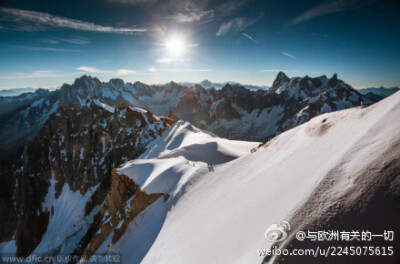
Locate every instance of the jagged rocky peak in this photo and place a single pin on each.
(82, 87)
(333, 81)
(310, 86)
(174, 85)
(42, 91)
(228, 88)
(173, 117)
(139, 84)
(86, 81)
(234, 90)
(280, 79)
(200, 88)
(117, 82)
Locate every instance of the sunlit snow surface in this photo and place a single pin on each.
(221, 216)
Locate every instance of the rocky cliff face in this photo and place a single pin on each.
(63, 175)
(124, 202)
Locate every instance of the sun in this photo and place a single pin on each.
(175, 46)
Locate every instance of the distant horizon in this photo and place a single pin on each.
(105, 80)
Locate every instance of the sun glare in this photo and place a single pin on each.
(175, 46)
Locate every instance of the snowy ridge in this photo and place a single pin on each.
(180, 154)
(221, 216)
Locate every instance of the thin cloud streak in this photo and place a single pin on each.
(32, 48)
(30, 75)
(76, 40)
(329, 7)
(289, 55)
(41, 21)
(249, 37)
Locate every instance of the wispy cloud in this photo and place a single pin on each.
(32, 48)
(93, 70)
(49, 41)
(249, 37)
(289, 55)
(152, 69)
(329, 7)
(122, 72)
(195, 16)
(237, 24)
(37, 21)
(188, 11)
(90, 69)
(76, 40)
(30, 75)
(181, 70)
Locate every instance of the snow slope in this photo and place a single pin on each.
(221, 216)
(179, 155)
(172, 163)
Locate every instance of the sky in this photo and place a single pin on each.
(48, 43)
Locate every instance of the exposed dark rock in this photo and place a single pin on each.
(78, 146)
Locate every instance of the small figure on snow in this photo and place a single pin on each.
(210, 167)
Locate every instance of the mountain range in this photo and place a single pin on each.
(205, 83)
(381, 91)
(208, 84)
(233, 112)
(16, 91)
(145, 171)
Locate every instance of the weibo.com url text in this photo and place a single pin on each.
(331, 251)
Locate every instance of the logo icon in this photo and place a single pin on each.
(276, 233)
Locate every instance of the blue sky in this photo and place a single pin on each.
(47, 43)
